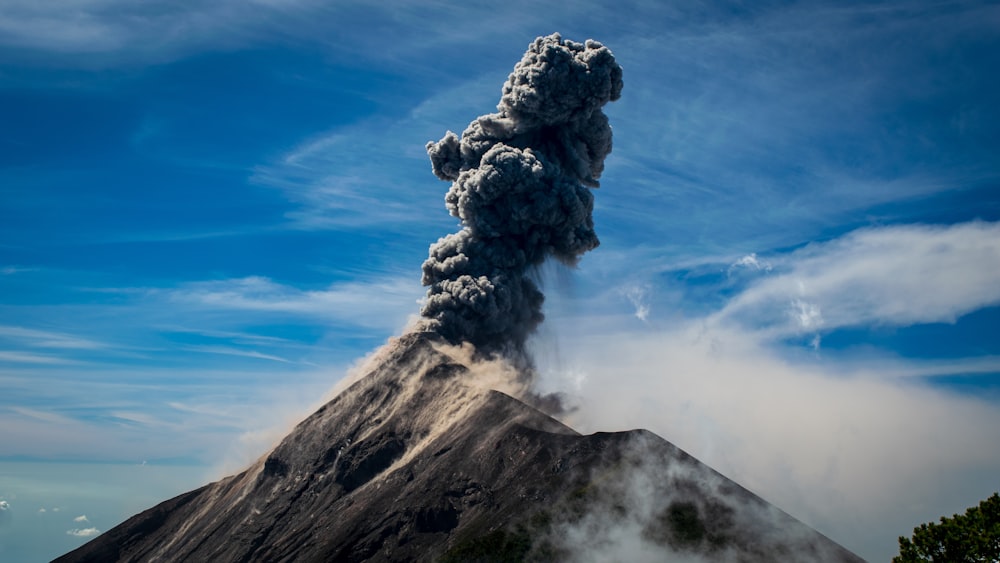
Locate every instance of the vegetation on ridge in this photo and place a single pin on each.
(973, 537)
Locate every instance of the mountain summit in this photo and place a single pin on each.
(420, 460)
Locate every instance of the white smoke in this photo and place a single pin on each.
(667, 507)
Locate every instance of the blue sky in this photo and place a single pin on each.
(210, 212)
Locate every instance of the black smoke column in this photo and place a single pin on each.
(520, 180)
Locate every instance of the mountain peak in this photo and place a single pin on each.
(423, 459)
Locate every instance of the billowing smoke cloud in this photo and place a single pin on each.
(520, 186)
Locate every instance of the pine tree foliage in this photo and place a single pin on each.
(973, 537)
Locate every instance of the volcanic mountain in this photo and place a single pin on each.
(436, 454)
(421, 459)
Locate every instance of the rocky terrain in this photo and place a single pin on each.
(422, 460)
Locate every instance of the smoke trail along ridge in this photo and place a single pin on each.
(520, 180)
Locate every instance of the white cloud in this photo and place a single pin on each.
(4, 505)
(858, 445)
(41, 347)
(48, 339)
(638, 296)
(114, 32)
(30, 358)
(349, 177)
(43, 416)
(234, 336)
(83, 532)
(11, 270)
(807, 315)
(899, 276)
(129, 31)
(135, 418)
(155, 412)
(861, 456)
(228, 351)
(81, 518)
(383, 303)
(770, 136)
(750, 262)
(334, 181)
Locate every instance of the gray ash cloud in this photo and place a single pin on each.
(521, 182)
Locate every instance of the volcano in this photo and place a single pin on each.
(440, 452)
(421, 460)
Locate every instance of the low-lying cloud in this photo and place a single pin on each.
(861, 457)
(861, 448)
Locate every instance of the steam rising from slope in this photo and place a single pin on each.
(664, 508)
(520, 181)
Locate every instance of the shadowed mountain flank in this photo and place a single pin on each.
(416, 461)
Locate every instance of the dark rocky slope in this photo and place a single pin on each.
(420, 460)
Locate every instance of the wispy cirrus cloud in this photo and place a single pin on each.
(158, 413)
(229, 351)
(49, 347)
(134, 418)
(118, 32)
(253, 318)
(352, 176)
(12, 270)
(32, 358)
(228, 335)
(785, 124)
(125, 31)
(46, 416)
(343, 180)
(378, 303)
(48, 339)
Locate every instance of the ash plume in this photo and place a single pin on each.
(520, 186)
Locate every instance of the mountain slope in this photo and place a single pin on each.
(421, 460)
